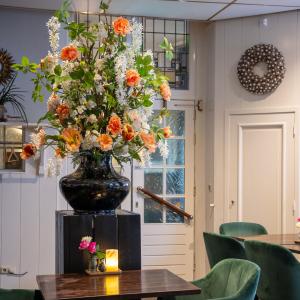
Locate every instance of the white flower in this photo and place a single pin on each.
(135, 118)
(53, 29)
(91, 104)
(145, 158)
(80, 109)
(97, 77)
(137, 37)
(87, 239)
(90, 140)
(163, 149)
(38, 139)
(53, 102)
(92, 119)
(99, 64)
(120, 70)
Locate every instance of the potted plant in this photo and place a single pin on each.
(102, 88)
(10, 94)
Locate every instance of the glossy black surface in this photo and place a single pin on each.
(95, 186)
(121, 230)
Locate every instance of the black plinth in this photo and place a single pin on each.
(121, 231)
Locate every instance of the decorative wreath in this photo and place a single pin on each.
(6, 70)
(274, 60)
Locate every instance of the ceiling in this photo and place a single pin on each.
(184, 9)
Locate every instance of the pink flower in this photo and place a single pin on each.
(298, 219)
(84, 244)
(92, 247)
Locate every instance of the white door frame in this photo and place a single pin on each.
(232, 112)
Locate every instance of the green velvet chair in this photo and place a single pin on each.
(18, 294)
(230, 279)
(242, 229)
(219, 247)
(280, 271)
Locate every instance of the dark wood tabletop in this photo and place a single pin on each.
(286, 240)
(127, 285)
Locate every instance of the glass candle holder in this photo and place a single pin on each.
(112, 260)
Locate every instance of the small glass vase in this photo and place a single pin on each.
(93, 263)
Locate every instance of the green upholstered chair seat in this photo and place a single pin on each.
(242, 229)
(230, 279)
(19, 294)
(219, 247)
(280, 271)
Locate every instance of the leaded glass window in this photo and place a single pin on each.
(166, 177)
(177, 32)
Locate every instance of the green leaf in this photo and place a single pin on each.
(25, 61)
(63, 13)
(167, 46)
(57, 70)
(77, 74)
(147, 102)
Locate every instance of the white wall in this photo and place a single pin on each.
(27, 202)
(231, 39)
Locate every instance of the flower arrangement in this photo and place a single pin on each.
(97, 256)
(102, 88)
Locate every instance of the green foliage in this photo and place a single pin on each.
(167, 46)
(10, 94)
(63, 13)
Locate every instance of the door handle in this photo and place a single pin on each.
(211, 205)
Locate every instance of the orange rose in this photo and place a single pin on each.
(63, 111)
(59, 153)
(105, 141)
(167, 132)
(69, 53)
(28, 151)
(149, 141)
(165, 91)
(72, 138)
(114, 125)
(121, 26)
(128, 132)
(133, 78)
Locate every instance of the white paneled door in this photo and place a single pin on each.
(260, 170)
(167, 240)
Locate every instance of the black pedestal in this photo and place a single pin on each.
(121, 231)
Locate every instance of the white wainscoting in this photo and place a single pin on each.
(27, 227)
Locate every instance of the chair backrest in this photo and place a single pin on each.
(234, 279)
(219, 247)
(17, 294)
(280, 271)
(242, 229)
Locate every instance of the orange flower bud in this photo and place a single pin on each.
(165, 91)
(69, 53)
(128, 132)
(167, 132)
(114, 125)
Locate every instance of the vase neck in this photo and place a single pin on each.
(101, 166)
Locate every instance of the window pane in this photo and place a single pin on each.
(158, 38)
(176, 152)
(176, 122)
(148, 41)
(171, 216)
(154, 180)
(153, 211)
(159, 25)
(180, 27)
(170, 26)
(175, 181)
(14, 134)
(149, 25)
(156, 158)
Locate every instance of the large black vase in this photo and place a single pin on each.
(95, 186)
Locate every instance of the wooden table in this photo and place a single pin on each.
(285, 240)
(127, 285)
